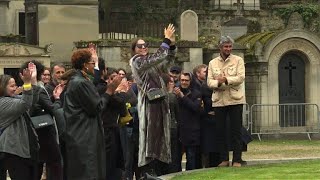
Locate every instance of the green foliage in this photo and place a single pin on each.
(307, 11)
(208, 41)
(172, 3)
(249, 40)
(254, 27)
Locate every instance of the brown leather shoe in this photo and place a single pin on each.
(236, 164)
(224, 164)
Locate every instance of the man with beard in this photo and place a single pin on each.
(57, 71)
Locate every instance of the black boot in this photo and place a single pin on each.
(150, 177)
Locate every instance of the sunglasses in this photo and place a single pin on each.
(145, 45)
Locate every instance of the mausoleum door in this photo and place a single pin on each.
(292, 90)
(14, 72)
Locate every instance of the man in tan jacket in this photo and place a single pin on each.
(226, 75)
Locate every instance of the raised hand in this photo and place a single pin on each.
(93, 50)
(26, 76)
(169, 33)
(33, 69)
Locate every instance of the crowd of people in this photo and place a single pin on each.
(111, 124)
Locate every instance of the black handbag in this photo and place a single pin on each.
(42, 121)
(156, 94)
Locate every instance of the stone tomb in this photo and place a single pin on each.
(12, 56)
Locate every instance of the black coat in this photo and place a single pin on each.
(189, 115)
(208, 138)
(85, 150)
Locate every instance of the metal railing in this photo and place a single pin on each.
(246, 116)
(129, 30)
(284, 119)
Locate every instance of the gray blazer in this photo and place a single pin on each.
(14, 138)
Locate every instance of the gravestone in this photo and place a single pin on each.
(295, 21)
(13, 55)
(189, 26)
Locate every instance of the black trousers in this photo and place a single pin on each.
(3, 170)
(176, 152)
(19, 168)
(234, 130)
(114, 155)
(50, 154)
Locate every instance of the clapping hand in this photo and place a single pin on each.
(123, 86)
(178, 92)
(111, 87)
(58, 90)
(221, 79)
(169, 33)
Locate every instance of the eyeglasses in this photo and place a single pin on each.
(185, 80)
(227, 46)
(140, 46)
(91, 63)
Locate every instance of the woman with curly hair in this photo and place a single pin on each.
(82, 106)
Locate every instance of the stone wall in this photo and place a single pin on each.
(9, 14)
(256, 81)
(61, 25)
(210, 20)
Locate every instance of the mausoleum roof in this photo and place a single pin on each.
(250, 41)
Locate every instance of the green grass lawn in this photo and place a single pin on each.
(269, 149)
(277, 149)
(293, 170)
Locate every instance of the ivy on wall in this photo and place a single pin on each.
(307, 11)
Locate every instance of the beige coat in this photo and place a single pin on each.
(232, 92)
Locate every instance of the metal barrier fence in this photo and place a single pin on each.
(246, 116)
(122, 30)
(284, 119)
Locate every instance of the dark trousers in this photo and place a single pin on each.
(19, 168)
(235, 114)
(114, 155)
(176, 152)
(50, 154)
(193, 156)
(3, 170)
(129, 151)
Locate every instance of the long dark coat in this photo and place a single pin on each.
(154, 118)
(208, 124)
(84, 132)
(189, 114)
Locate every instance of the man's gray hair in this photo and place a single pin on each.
(225, 39)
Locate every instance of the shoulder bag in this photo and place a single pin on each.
(42, 120)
